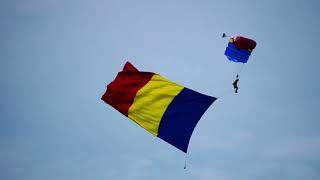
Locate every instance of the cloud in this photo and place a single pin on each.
(299, 148)
(218, 142)
(208, 174)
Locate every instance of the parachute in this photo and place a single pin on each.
(239, 48)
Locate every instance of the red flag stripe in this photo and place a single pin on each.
(121, 92)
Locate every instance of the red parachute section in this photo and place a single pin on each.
(244, 43)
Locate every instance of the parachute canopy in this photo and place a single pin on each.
(244, 43)
(239, 49)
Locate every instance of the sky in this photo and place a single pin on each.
(56, 58)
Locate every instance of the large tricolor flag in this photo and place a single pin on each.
(162, 107)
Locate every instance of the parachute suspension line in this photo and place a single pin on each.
(242, 66)
(238, 69)
(185, 161)
(226, 93)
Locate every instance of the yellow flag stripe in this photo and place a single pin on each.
(151, 101)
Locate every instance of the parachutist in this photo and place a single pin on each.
(235, 84)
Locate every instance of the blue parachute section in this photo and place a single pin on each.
(235, 54)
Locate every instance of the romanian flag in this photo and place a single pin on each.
(162, 107)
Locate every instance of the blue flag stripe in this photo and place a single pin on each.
(181, 117)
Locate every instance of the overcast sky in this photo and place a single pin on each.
(56, 58)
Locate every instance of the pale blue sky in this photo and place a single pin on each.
(56, 57)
